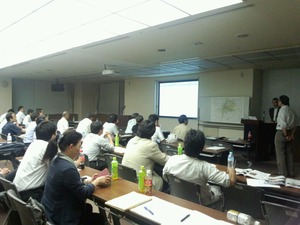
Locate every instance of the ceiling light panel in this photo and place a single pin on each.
(153, 13)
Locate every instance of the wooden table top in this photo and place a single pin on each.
(121, 187)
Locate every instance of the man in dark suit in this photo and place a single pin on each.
(273, 112)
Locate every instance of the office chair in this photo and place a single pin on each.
(26, 212)
(245, 199)
(109, 157)
(127, 173)
(183, 189)
(278, 214)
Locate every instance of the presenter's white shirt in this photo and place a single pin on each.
(31, 172)
(84, 127)
(62, 125)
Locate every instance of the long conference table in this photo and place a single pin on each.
(121, 187)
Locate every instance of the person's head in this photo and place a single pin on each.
(69, 143)
(21, 108)
(194, 143)
(183, 119)
(40, 111)
(133, 115)
(91, 116)
(283, 100)
(146, 129)
(30, 111)
(45, 131)
(113, 118)
(40, 119)
(139, 119)
(153, 118)
(11, 117)
(275, 102)
(11, 111)
(34, 116)
(97, 127)
(66, 115)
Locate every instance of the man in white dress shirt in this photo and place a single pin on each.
(27, 118)
(20, 115)
(63, 124)
(131, 122)
(286, 128)
(158, 136)
(84, 126)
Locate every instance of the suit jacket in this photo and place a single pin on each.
(144, 152)
(271, 113)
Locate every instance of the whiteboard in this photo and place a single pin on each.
(224, 109)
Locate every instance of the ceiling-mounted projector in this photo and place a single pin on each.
(109, 72)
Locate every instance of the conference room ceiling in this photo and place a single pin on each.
(253, 34)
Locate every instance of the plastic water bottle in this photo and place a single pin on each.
(117, 140)
(9, 138)
(241, 218)
(141, 182)
(179, 149)
(230, 160)
(114, 169)
(148, 183)
(81, 158)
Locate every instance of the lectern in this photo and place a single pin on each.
(262, 137)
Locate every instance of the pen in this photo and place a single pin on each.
(184, 218)
(148, 210)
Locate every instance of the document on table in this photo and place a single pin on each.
(166, 213)
(260, 183)
(215, 148)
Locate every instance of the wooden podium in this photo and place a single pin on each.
(262, 137)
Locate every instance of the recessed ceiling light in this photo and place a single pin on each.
(162, 50)
(242, 35)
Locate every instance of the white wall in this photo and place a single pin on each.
(6, 94)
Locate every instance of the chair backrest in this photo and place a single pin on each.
(109, 157)
(25, 211)
(245, 199)
(277, 214)
(183, 189)
(86, 160)
(127, 173)
(7, 185)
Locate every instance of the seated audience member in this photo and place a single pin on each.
(40, 111)
(139, 120)
(27, 118)
(110, 126)
(188, 167)
(84, 126)
(131, 122)
(141, 151)
(63, 124)
(29, 134)
(65, 194)
(11, 127)
(96, 141)
(3, 120)
(158, 135)
(181, 129)
(31, 173)
(20, 115)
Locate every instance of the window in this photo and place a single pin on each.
(177, 98)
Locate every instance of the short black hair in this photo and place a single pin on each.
(96, 127)
(153, 118)
(30, 111)
(139, 119)
(9, 116)
(33, 116)
(182, 118)
(194, 143)
(146, 129)
(11, 111)
(112, 118)
(134, 115)
(39, 110)
(45, 130)
(284, 99)
(20, 107)
(275, 99)
(90, 115)
(40, 119)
